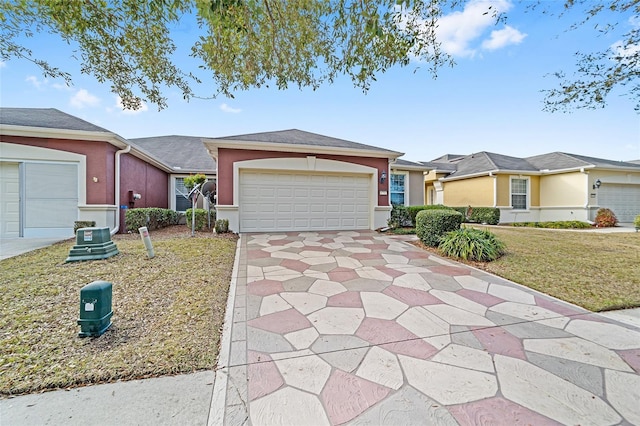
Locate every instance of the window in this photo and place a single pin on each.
(519, 193)
(182, 202)
(397, 189)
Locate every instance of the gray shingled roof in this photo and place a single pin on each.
(563, 160)
(299, 137)
(186, 152)
(399, 163)
(46, 117)
(487, 161)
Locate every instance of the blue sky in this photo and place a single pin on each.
(490, 101)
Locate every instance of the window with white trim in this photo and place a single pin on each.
(397, 188)
(180, 194)
(519, 193)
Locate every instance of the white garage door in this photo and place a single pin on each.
(51, 199)
(9, 200)
(272, 201)
(624, 200)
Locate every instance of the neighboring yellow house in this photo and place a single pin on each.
(554, 186)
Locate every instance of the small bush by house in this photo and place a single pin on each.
(151, 217)
(413, 210)
(471, 244)
(486, 215)
(221, 226)
(399, 217)
(83, 224)
(431, 225)
(202, 219)
(605, 218)
(636, 222)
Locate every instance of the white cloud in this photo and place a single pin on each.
(143, 107)
(83, 98)
(37, 83)
(504, 37)
(227, 108)
(3, 64)
(458, 31)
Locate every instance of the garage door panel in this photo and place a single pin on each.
(304, 201)
(623, 199)
(10, 200)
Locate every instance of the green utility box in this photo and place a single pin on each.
(95, 308)
(92, 244)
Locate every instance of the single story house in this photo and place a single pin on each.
(548, 187)
(293, 180)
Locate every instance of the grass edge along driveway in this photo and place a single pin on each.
(168, 312)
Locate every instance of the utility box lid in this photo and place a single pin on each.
(92, 244)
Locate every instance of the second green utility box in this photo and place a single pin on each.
(95, 308)
(92, 244)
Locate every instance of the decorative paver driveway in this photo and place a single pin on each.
(362, 328)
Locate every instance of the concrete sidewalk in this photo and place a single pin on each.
(176, 400)
(10, 247)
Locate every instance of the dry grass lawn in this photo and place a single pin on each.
(168, 311)
(597, 271)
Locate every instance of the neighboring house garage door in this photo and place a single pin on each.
(279, 201)
(9, 200)
(51, 199)
(624, 200)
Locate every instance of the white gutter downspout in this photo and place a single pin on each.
(117, 187)
(495, 189)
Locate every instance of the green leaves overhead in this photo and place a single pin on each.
(243, 43)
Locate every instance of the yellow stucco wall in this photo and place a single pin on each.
(566, 189)
(504, 190)
(474, 192)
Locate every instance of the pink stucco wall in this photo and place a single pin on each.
(226, 158)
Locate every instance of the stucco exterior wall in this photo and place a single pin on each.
(563, 190)
(469, 192)
(100, 160)
(226, 158)
(503, 197)
(142, 178)
(416, 188)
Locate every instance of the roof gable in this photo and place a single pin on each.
(50, 118)
(299, 137)
(182, 153)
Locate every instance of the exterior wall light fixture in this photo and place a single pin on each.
(597, 184)
(383, 176)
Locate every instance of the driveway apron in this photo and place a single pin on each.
(364, 328)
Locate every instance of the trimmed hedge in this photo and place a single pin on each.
(558, 224)
(221, 226)
(202, 220)
(151, 217)
(399, 217)
(414, 210)
(431, 225)
(485, 215)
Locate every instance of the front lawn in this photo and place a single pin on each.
(597, 271)
(167, 311)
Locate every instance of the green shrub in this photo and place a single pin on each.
(558, 224)
(399, 217)
(471, 244)
(605, 218)
(404, 231)
(83, 224)
(202, 219)
(636, 222)
(221, 226)
(413, 210)
(151, 217)
(191, 181)
(431, 225)
(486, 215)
